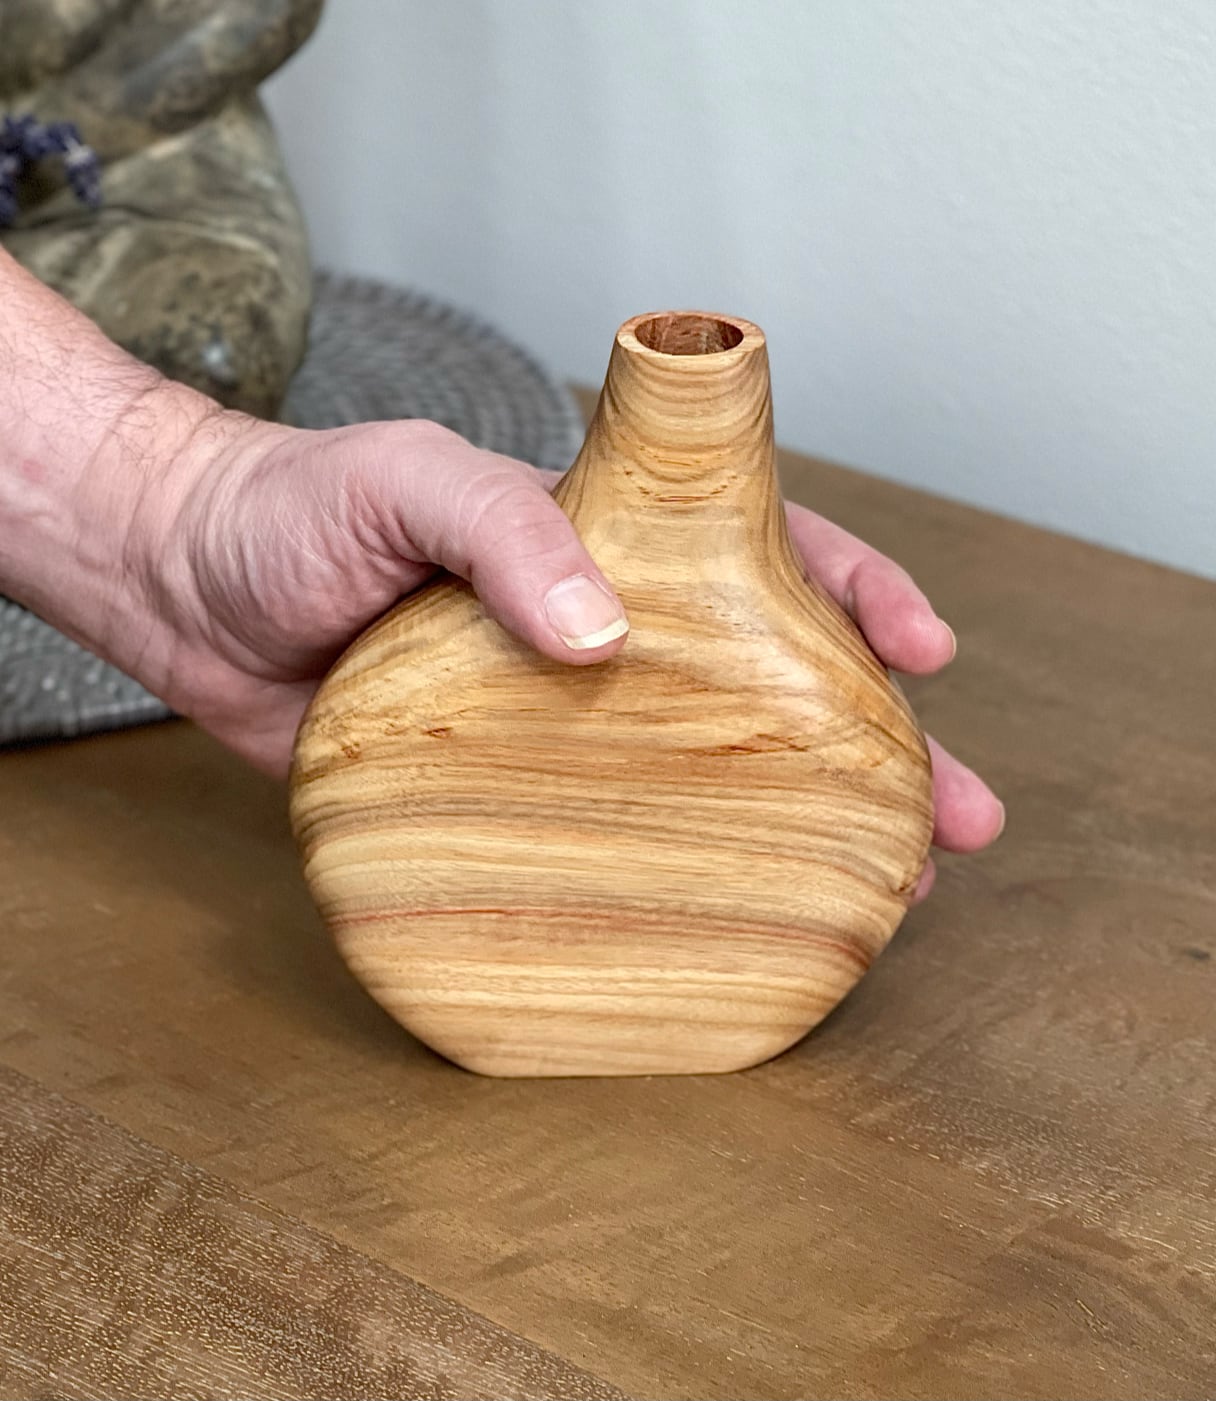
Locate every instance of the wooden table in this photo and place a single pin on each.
(224, 1172)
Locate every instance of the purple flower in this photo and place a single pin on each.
(24, 141)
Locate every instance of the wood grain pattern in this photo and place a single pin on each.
(988, 1173)
(125, 1272)
(679, 860)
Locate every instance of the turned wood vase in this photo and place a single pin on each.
(675, 861)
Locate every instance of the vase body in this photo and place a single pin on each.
(675, 861)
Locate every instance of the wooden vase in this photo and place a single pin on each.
(675, 861)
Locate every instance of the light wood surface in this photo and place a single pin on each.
(988, 1173)
(677, 860)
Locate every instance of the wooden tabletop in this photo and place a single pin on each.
(224, 1172)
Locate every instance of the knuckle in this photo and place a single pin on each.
(513, 513)
(429, 436)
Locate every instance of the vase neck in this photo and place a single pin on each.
(682, 437)
(687, 395)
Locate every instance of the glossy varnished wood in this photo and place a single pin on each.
(678, 860)
(989, 1173)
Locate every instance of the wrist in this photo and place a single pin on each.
(87, 487)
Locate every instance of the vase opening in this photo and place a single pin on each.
(687, 333)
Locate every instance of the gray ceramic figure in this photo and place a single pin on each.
(197, 259)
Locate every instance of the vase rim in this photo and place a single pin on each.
(689, 336)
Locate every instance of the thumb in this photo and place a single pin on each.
(490, 520)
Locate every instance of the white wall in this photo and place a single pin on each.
(981, 234)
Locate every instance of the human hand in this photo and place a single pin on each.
(287, 543)
(906, 635)
(226, 562)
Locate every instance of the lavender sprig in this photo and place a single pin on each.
(24, 141)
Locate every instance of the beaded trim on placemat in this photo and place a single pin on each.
(374, 352)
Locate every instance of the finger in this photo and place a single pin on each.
(923, 886)
(491, 520)
(896, 617)
(967, 814)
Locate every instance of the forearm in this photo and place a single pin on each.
(87, 434)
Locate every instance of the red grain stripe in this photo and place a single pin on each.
(848, 951)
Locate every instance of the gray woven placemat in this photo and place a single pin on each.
(374, 352)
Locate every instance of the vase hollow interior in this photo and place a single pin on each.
(688, 333)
